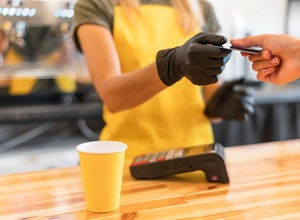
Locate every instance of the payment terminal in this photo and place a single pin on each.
(207, 158)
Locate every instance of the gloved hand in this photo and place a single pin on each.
(198, 62)
(230, 102)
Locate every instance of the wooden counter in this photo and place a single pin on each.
(265, 184)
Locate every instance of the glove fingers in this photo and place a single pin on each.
(248, 108)
(244, 102)
(240, 114)
(248, 99)
(209, 63)
(246, 96)
(215, 39)
(231, 102)
(243, 107)
(211, 72)
(246, 112)
(243, 117)
(203, 79)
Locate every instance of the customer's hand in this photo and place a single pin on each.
(279, 62)
(196, 61)
(231, 102)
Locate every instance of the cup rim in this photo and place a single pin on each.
(101, 147)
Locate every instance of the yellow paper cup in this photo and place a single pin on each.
(102, 165)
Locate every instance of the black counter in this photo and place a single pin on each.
(276, 117)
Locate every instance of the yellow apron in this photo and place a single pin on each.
(174, 117)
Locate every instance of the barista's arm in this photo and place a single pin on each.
(118, 91)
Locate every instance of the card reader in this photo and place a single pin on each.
(208, 158)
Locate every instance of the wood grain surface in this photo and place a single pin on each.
(264, 184)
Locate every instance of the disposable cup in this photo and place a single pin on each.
(102, 165)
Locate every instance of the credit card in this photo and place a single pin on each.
(228, 46)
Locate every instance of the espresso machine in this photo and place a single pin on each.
(38, 56)
(45, 89)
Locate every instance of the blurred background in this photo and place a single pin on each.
(48, 104)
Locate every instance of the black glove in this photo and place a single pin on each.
(198, 62)
(230, 102)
